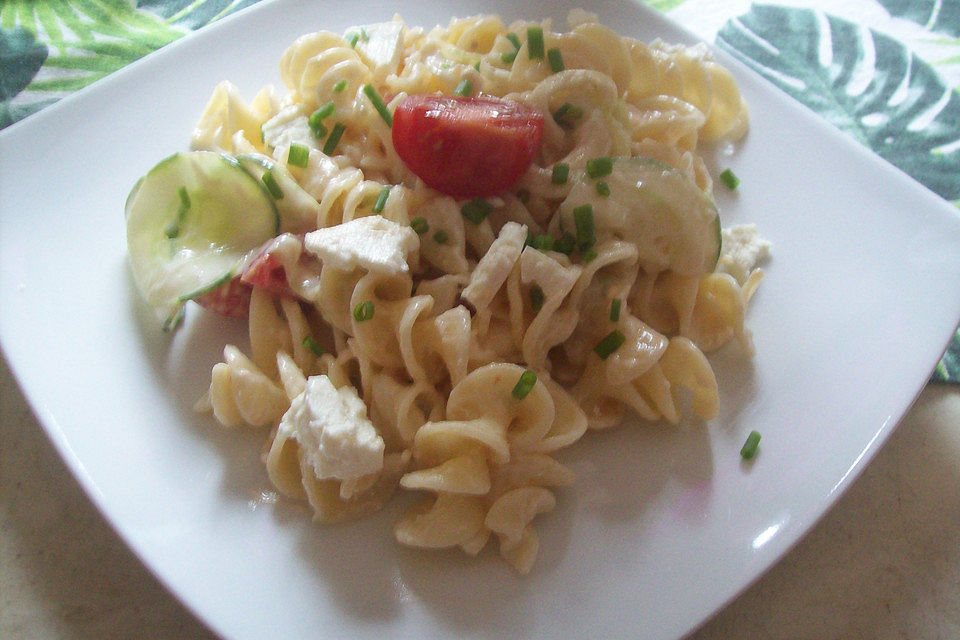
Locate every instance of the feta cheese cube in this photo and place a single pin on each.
(372, 242)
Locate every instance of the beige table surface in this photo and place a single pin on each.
(883, 563)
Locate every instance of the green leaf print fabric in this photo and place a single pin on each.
(867, 84)
(889, 80)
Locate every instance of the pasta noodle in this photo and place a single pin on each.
(408, 345)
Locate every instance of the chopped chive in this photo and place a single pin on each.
(749, 449)
(440, 237)
(173, 229)
(583, 220)
(381, 200)
(313, 345)
(378, 104)
(271, 183)
(561, 171)
(565, 244)
(316, 126)
(352, 39)
(534, 42)
(567, 115)
(363, 34)
(555, 59)
(524, 385)
(363, 311)
(588, 256)
(542, 243)
(326, 110)
(610, 343)
(331, 144)
(476, 65)
(615, 310)
(465, 88)
(730, 181)
(420, 225)
(298, 155)
(603, 188)
(515, 39)
(536, 298)
(523, 195)
(508, 57)
(599, 167)
(340, 86)
(476, 210)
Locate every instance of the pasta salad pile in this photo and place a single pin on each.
(457, 249)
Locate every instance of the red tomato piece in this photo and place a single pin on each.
(266, 271)
(229, 299)
(467, 147)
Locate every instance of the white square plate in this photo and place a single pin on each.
(663, 526)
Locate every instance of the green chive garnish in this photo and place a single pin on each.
(298, 155)
(340, 86)
(534, 42)
(173, 229)
(565, 244)
(420, 225)
(381, 200)
(749, 449)
(524, 385)
(313, 345)
(271, 183)
(615, 310)
(331, 144)
(508, 57)
(730, 181)
(603, 188)
(561, 171)
(465, 88)
(363, 311)
(555, 59)
(363, 34)
(476, 210)
(440, 237)
(583, 220)
(316, 126)
(542, 243)
(610, 343)
(476, 65)
(378, 104)
(567, 115)
(523, 195)
(326, 110)
(515, 39)
(599, 167)
(588, 256)
(352, 39)
(536, 298)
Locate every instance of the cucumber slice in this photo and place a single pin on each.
(298, 210)
(191, 220)
(674, 224)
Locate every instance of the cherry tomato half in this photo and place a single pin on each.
(466, 147)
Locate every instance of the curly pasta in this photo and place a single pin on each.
(464, 351)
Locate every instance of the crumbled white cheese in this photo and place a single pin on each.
(372, 242)
(289, 126)
(333, 431)
(742, 250)
(383, 47)
(495, 265)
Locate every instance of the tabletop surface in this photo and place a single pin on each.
(883, 563)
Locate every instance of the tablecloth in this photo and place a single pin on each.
(884, 563)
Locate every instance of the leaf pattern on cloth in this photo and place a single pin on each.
(21, 57)
(872, 87)
(193, 13)
(941, 16)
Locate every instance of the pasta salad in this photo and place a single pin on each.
(457, 251)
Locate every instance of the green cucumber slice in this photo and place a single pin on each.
(191, 220)
(674, 224)
(298, 210)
